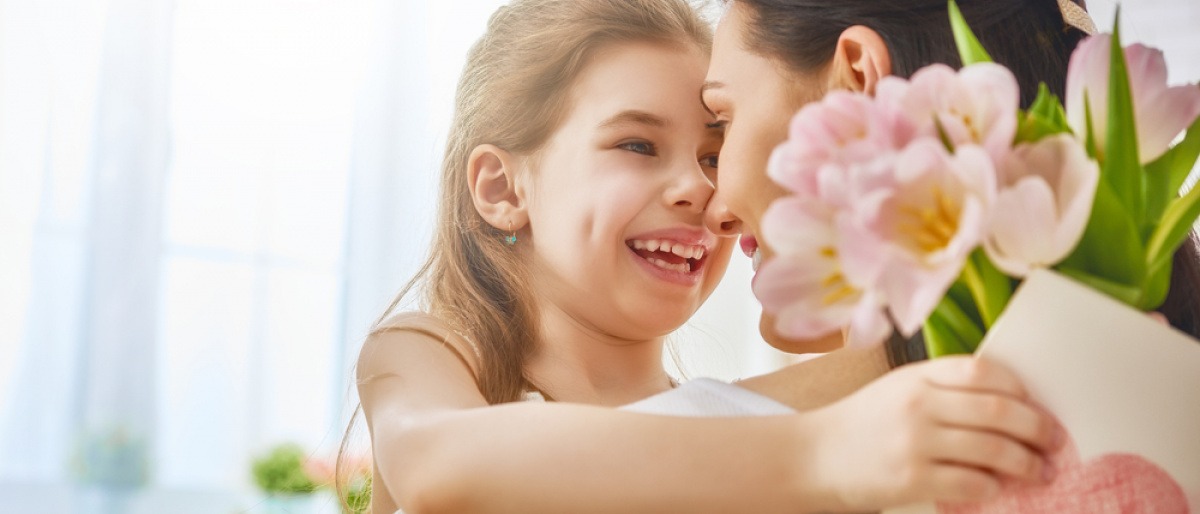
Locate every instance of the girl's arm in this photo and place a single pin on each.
(440, 448)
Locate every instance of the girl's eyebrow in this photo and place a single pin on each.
(634, 117)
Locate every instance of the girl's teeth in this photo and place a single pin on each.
(682, 250)
(681, 267)
(756, 259)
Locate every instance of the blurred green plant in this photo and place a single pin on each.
(282, 471)
(358, 495)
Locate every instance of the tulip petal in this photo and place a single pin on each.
(1165, 116)
(1022, 228)
(790, 288)
(869, 325)
(796, 226)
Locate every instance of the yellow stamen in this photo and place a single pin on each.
(933, 228)
(838, 295)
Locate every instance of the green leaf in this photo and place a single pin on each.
(937, 342)
(990, 287)
(1121, 166)
(961, 294)
(1090, 141)
(1123, 293)
(1111, 246)
(1158, 284)
(1176, 223)
(1165, 176)
(949, 331)
(1045, 117)
(968, 45)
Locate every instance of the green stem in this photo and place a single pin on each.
(990, 287)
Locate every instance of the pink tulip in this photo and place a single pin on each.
(1043, 205)
(1160, 112)
(926, 226)
(975, 105)
(807, 285)
(845, 135)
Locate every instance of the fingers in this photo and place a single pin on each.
(973, 374)
(997, 413)
(990, 452)
(956, 483)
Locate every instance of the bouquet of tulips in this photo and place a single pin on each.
(923, 206)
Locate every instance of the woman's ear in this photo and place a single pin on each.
(860, 60)
(492, 178)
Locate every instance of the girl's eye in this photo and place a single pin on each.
(710, 161)
(639, 147)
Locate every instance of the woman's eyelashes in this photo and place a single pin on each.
(639, 147)
(710, 160)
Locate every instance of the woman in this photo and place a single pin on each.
(771, 57)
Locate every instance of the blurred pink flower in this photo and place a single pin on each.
(807, 285)
(1160, 112)
(975, 105)
(927, 225)
(1043, 206)
(839, 145)
(320, 471)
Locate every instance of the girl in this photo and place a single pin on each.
(571, 241)
(773, 56)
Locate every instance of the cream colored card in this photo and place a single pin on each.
(1121, 383)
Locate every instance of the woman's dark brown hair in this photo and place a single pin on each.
(1027, 36)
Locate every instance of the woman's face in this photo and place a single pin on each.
(754, 98)
(616, 202)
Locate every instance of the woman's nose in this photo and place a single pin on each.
(719, 220)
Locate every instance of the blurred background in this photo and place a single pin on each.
(203, 206)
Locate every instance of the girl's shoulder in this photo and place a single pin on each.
(418, 325)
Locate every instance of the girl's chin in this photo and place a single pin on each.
(829, 343)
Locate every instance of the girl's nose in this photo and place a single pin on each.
(691, 191)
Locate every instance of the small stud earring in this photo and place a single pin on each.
(510, 239)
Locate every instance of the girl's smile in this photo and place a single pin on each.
(676, 256)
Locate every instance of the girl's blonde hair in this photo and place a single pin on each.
(514, 93)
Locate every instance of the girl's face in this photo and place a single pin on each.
(753, 98)
(616, 198)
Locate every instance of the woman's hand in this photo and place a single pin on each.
(943, 430)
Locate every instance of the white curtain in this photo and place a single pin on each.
(203, 205)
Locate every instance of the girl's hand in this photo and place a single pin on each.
(944, 430)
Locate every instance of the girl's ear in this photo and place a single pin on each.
(492, 179)
(860, 60)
